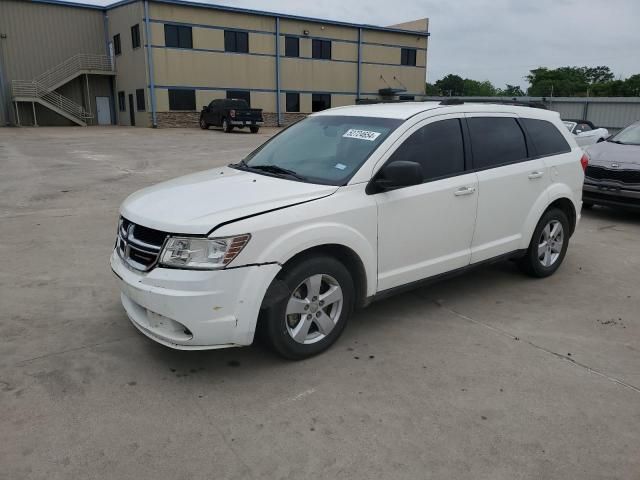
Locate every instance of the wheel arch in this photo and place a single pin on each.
(557, 196)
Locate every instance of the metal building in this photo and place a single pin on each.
(157, 62)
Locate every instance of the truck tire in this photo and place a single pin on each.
(255, 129)
(226, 126)
(203, 125)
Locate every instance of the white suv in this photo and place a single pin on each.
(342, 208)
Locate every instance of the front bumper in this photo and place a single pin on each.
(245, 123)
(611, 193)
(194, 310)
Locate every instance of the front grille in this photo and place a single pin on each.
(618, 175)
(139, 246)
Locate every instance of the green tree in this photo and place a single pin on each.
(450, 85)
(474, 88)
(559, 82)
(511, 91)
(431, 89)
(631, 86)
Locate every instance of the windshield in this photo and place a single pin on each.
(628, 136)
(324, 149)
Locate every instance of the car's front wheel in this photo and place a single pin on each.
(548, 245)
(255, 129)
(203, 124)
(315, 302)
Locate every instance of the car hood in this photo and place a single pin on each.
(197, 203)
(606, 153)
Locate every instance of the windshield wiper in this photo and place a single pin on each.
(241, 164)
(616, 141)
(275, 169)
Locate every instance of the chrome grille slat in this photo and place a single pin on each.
(138, 254)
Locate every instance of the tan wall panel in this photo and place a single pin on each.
(388, 38)
(412, 78)
(259, 43)
(203, 97)
(264, 100)
(157, 33)
(317, 75)
(207, 16)
(324, 30)
(344, 51)
(131, 65)
(342, 100)
(208, 38)
(212, 69)
(162, 100)
(378, 54)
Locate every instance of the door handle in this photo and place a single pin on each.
(464, 191)
(534, 175)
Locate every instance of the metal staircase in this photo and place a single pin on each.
(42, 89)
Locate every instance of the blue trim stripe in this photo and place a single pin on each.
(213, 50)
(268, 90)
(212, 27)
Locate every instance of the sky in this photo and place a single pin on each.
(496, 40)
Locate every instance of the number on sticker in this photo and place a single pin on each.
(361, 134)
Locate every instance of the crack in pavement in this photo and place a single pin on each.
(52, 354)
(535, 345)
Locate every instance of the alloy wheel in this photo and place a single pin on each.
(550, 243)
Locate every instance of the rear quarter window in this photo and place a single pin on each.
(496, 141)
(545, 137)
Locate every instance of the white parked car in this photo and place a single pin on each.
(585, 132)
(338, 210)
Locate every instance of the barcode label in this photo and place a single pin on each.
(361, 134)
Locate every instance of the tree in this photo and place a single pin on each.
(431, 89)
(631, 86)
(511, 91)
(595, 75)
(450, 85)
(474, 88)
(560, 82)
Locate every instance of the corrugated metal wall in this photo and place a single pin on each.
(613, 113)
(39, 36)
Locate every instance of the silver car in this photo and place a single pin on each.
(613, 175)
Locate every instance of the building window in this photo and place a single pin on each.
(321, 49)
(239, 95)
(293, 102)
(140, 104)
(122, 105)
(291, 47)
(407, 98)
(117, 48)
(236, 41)
(408, 56)
(320, 101)
(182, 99)
(135, 36)
(177, 36)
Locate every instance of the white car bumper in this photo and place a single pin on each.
(194, 310)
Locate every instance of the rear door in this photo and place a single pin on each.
(426, 229)
(510, 182)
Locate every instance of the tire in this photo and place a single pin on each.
(544, 264)
(254, 129)
(301, 288)
(203, 125)
(587, 205)
(226, 126)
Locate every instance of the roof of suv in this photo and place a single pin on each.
(404, 110)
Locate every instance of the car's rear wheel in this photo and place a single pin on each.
(309, 315)
(548, 245)
(226, 126)
(255, 129)
(203, 125)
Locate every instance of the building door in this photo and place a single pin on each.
(132, 112)
(103, 107)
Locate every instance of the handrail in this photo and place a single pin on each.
(79, 62)
(33, 89)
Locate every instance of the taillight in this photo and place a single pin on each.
(584, 161)
(232, 113)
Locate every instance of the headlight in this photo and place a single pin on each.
(202, 253)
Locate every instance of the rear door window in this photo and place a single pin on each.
(545, 137)
(496, 141)
(437, 147)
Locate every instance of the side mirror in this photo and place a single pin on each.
(205, 107)
(398, 174)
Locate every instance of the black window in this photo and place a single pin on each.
(496, 141)
(236, 41)
(321, 49)
(117, 48)
(239, 95)
(291, 46)
(407, 98)
(545, 137)
(122, 105)
(182, 99)
(408, 56)
(437, 147)
(320, 101)
(140, 104)
(178, 36)
(293, 102)
(135, 36)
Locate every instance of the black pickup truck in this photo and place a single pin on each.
(230, 114)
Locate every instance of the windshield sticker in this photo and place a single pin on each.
(340, 166)
(361, 134)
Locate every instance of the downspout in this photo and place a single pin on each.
(359, 63)
(152, 83)
(278, 112)
(107, 43)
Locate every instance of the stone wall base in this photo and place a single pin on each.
(191, 119)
